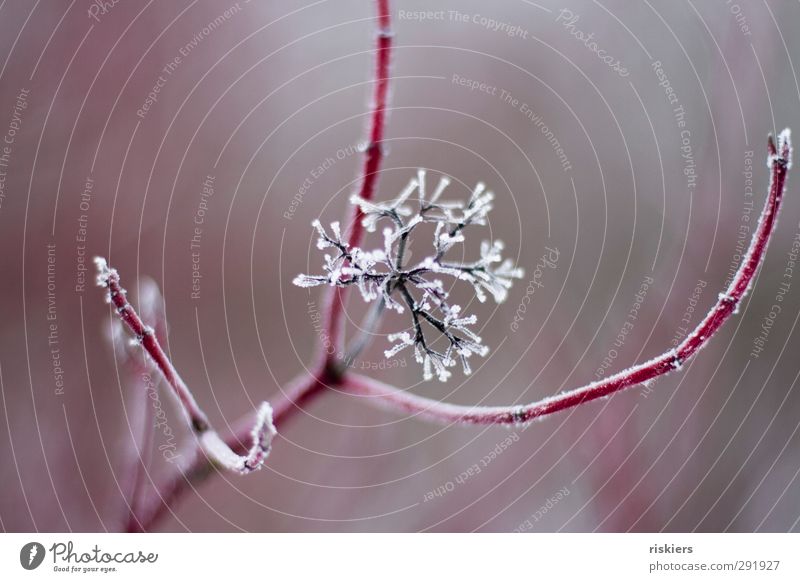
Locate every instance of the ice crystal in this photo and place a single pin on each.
(382, 275)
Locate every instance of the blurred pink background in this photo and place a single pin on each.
(266, 92)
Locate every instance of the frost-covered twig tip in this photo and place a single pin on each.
(144, 335)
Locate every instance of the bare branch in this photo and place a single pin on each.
(373, 158)
(263, 430)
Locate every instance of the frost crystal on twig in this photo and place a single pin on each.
(382, 275)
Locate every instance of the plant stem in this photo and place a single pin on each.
(372, 163)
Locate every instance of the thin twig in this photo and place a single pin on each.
(262, 431)
(136, 369)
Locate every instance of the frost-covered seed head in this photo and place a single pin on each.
(381, 275)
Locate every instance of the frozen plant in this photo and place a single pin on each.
(383, 277)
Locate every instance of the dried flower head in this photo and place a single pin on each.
(381, 275)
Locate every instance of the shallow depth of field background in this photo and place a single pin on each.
(278, 90)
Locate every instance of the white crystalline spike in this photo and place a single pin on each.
(485, 248)
(471, 335)
(406, 192)
(444, 182)
(387, 243)
(507, 269)
(103, 272)
(479, 188)
(369, 222)
(337, 233)
(307, 281)
(465, 365)
(421, 183)
(785, 143)
(402, 336)
(426, 368)
(479, 293)
(403, 341)
(437, 268)
(396, 306)
(471, 320)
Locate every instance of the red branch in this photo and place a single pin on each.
(387, 396)
(371, 170)
(262, 430)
